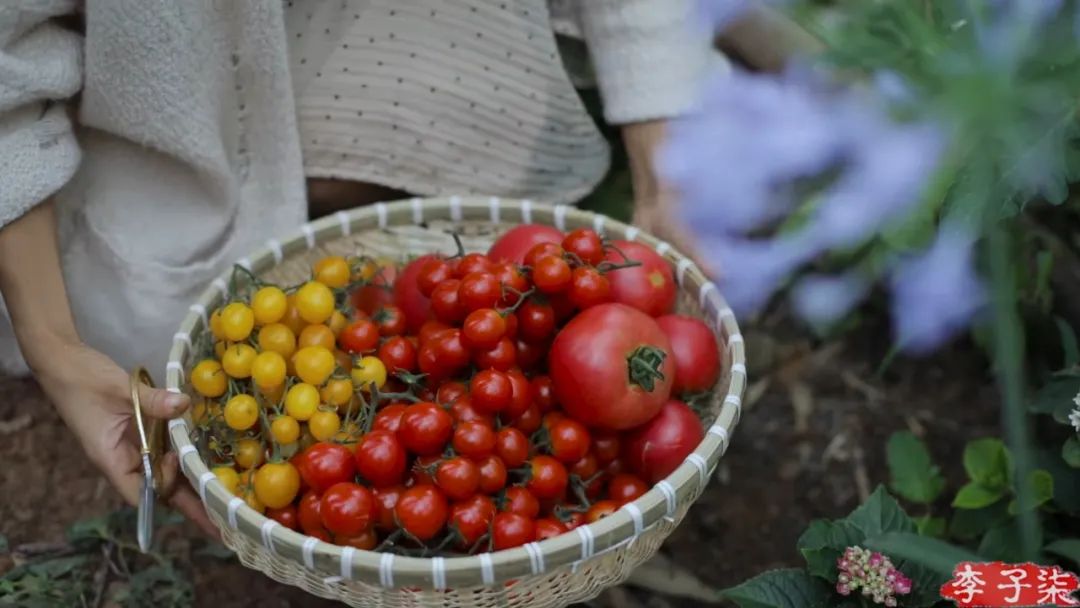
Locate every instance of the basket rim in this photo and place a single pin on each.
(395, 571)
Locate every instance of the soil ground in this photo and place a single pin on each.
(810, 443)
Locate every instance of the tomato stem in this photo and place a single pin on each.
(522, 296)
(603, 267)
(643, 366)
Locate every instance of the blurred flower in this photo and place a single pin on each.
(823, 300)
(752, 270)
(936, 293)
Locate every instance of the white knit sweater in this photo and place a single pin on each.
(187, 154)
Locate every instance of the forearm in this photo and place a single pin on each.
(766, 39)
(32, 283)
(642, 141)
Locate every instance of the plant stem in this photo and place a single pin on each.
(1008, 347)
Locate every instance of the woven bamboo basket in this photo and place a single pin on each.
(565, 569)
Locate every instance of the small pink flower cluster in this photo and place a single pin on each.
(873, 573)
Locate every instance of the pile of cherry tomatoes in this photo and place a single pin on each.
(458, 403)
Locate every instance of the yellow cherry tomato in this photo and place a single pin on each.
(343, 359)
(200, 414)
(237, 360)
(228, 478)
(248, 453)
(332, 271)
(219, 348)
(277, 484)
(367, 371)
(324, 424)
(317, 335)
(302, 401)
(215, 325)
(365, 269)
(241, 412)
(268, 370)
(278, 338)
(315, 302)
(285, 429)
(208, 378)
(269, 305)
(337, 322)
(314, 364)
(253, 501)
(237, 321)
(337, 392)
(273, 394)
(292, 318)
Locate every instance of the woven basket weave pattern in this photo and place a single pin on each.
(555, 572)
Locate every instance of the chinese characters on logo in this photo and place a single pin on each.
(995, 585)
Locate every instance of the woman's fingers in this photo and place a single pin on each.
(159, 403)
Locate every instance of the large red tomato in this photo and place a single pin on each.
(693, 345)
(649, 287)
(611, 367)
(407, 296)
(516, 242)
(378, 293)
(658, 447)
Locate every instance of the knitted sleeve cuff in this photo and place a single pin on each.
(650, 56)
(38, 155)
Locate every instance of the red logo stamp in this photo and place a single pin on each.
(997, 584)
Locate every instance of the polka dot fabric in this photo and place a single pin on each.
(440, 96)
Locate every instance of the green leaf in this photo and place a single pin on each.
(1042, 490)
(936, 555)
(823, 542)
(930, 526)
(969, 524)
(879, 514)
(1069, 345)
(986, 461)
(974, 495)
(3, 544)
(1056, 397)
(913, 474)
(1070, 452)
(1002, 543)
(788, 588)
(1066, 489)
(1069, 548)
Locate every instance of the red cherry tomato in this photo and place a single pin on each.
(536, 321)
(502, 357)
(649, 287)
(588, 288)
(389, 418)
(542, 250)
(548, 527)
(518, 500)
(624, 488)
(516, 242)
(385, 501)
(474, 439)
(512, 446)
(451, 350)
(513, 282)
(659, 446)
(586, 467)
(492, 474)
(425, 428)
(407, 294)
(586, 245)
(543, 394)
(547, 477)
(472, 519)
(359, 337)
(457, 477)
(697, 357)
(422, 511)
(381, 459)
(463, 411)
(398, 355)
(569, 440)
(528, 422)
(483, 328)
(285, 516)
(574, 520)
(479, 290)
(491, 391)
(308, 514)
(552, 274)
(595, 354)
(390, 320)
(606, 446)
(509, 530)
(365, 541)
(563, 307)
(530, 355)
(450, 392)
(472, 262)
(433, 272)
(446, 304)
(347, 509)
(615, 467)
(378, 292)
(600, 509)
(325, 464)
(429, 330)
(521, 394)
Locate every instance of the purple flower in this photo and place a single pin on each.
(823, 300)
(719, 13)
(752, 270)
(936, 293)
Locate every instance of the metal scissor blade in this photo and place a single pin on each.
(145, 525)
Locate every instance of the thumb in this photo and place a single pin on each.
(160, 403)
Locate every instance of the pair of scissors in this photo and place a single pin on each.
(151, 444)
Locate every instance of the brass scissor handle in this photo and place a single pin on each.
(152, 437)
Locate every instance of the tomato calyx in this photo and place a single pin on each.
(643, 366)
